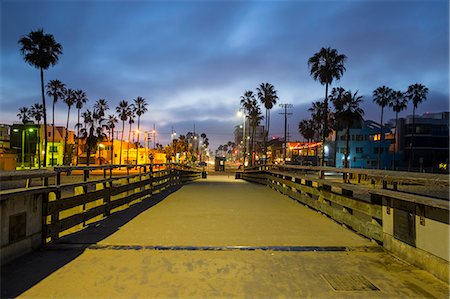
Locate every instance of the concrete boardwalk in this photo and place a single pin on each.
(217, 238)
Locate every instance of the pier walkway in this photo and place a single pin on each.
(214, 238)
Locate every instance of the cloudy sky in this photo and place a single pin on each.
(192, 60)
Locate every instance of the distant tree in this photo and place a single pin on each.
(57, 90)
(348, 111)
(80, 100)
(41, 51)
(111, 124)
(416, 93)
(24, 114)
(141, 107)
(398, 103)
(325, 66)
(123, 111)
(37, 112)
(267, 95)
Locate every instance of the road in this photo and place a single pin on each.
(217, 238)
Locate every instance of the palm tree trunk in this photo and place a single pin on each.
(411, 144)
(268, 127)
(128, 145)
(53, 131)
(325, 124)
(138, 135)
(111, 137)
(39, 144)
(45, 116)
(381, 139)
(121, 141)
(347, 143)
(78, 134)
(66, 138)
(395, 139)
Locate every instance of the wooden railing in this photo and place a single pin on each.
(91, 201)
(38, 215)
(412, 225)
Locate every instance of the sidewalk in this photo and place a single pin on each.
(178, 247)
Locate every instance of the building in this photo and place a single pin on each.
(4, 137)
(24, 141)
(426, 147)
(364, 144)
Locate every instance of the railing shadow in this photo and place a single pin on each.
(23, 273)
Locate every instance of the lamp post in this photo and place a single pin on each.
(30, 130)
(241, 112)
(23, 148)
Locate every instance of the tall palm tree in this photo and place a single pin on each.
(41, 51)
(55, 89)
(24, 114)
(398, 103)
(382, 96)
(348, 111)
(111, 124)
(37, 112)
(325, 66)
(268, 97)
(69, 100)
(248, 101)
(123, 112)
(131, 116)
(255, 117)
(416, 93)
(80, 100)
(141, 108)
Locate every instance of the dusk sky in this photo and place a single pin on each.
(192, 60)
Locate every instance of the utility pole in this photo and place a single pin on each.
(285, 106)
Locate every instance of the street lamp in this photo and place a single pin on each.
(241, 112)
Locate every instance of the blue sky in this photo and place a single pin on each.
(192, 60)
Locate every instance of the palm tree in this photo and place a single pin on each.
(69, 100)
(111, 124)
(100, 107)
(398, 103)
(131, 116)
(55, 89)
(141, 108)
(123, 110)
(416, 93)
(347, 113)
(248, 101)
(382, 97)
(93, 131)
(306, 129)
(37, 112)
(255, 117)
(41, 51)
(325, 66)
(24, 114)
(267, 96)
(80, 100)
